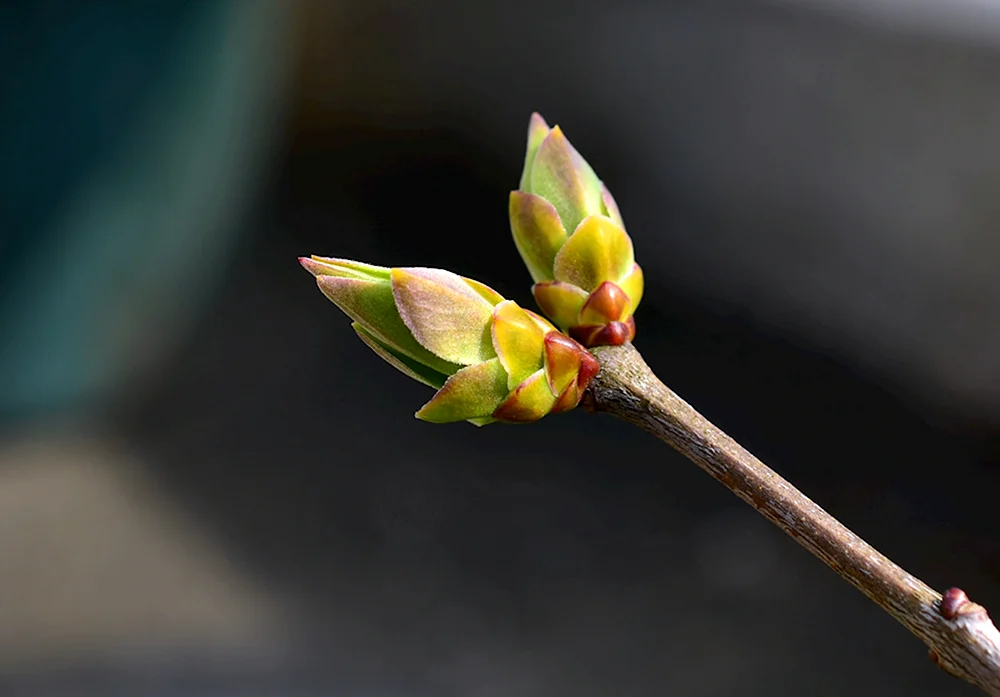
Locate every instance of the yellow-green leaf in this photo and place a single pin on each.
(537, 130)
(473, 392)
(518, 342)
(561, 302)
(597, 251)
(538, 233)
(530, 401)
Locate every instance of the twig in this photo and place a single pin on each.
(962, 638)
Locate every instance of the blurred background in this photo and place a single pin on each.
(208, 486)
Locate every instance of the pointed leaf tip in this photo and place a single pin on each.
(344, 268)
(311, 265)
(543, 324)
(536, 122)
(561, 176)
(537, 130)
(488, 294)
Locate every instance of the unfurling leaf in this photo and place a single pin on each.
(489, 359)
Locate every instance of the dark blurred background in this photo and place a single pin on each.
(208, 486)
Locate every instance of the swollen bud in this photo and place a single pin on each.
(489, 359)
(570, 234)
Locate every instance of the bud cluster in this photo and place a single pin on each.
(488, 358)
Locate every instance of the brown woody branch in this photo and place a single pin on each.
(962, 638)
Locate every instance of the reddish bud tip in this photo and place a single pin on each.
(615, 334)
(606, 304)
(556, 344)
(611, 334)
(585, 334)
(569, 398)
(310, 265)
(589, 367)
(630, 323)
(952, 602)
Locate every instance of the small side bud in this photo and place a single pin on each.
(952, 602)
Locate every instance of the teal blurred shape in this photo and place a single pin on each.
(132, 138)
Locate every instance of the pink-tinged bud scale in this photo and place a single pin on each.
(607, 304)
(611, 334)
(530, 401)
(563, 359)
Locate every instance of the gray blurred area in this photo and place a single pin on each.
(237, 500)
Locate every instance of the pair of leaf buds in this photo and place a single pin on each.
(488, 358)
